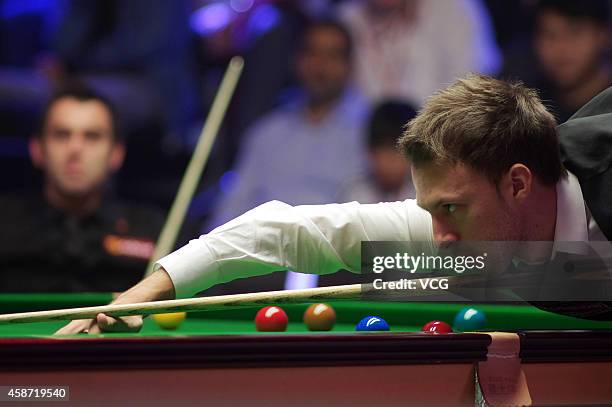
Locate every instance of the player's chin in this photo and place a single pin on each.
(77, 188)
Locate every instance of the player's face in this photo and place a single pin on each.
(569, 49)
(465, 205)
(78, 151)
(323, 65)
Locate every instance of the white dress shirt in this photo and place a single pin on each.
(322, 239)
(575, 222)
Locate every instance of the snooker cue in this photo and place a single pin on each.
(351, 291)
(167, 237)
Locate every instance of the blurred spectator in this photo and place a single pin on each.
(513, 21)
(265, 33)
(572, 40)
(25, 32)
(388, 178)
(137, 53)
(408, 49)
(75, 235)
(268, 53)
(303, 151)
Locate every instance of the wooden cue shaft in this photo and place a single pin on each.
(169, 233)
(219, 302)
(189, 304)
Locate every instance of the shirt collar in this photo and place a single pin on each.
(571, 228)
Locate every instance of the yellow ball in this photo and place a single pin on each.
(169, 321)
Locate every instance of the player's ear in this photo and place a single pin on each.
(521, 179)
(117, 156)
(35, 148)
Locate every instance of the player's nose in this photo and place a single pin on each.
(76, 143)
(446, 240)
(443, 236)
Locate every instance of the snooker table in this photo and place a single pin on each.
(218, 358)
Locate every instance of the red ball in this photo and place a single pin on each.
(437, 327)
(271, 319)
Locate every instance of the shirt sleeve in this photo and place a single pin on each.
(317, 239)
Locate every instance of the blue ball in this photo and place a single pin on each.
(469, 319)
(372, 324)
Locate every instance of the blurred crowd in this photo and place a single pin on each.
(102, 103)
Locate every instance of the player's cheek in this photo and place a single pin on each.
(56, 163)
(99, 163)
(93, 171)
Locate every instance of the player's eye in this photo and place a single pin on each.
(450, 208)
(59, 134)
(93, 136)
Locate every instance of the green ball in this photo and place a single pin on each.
(469, 319)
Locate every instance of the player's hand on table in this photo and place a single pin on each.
(158, 286)
(102, 323)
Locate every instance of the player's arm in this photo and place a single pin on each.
(317, 239)
(275, 236)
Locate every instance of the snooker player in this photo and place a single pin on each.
(486, 166)
(75, 236)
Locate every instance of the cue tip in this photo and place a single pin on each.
(237, 62)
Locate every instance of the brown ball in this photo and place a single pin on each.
(320, 317)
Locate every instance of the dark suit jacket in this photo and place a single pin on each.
(586, 149)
